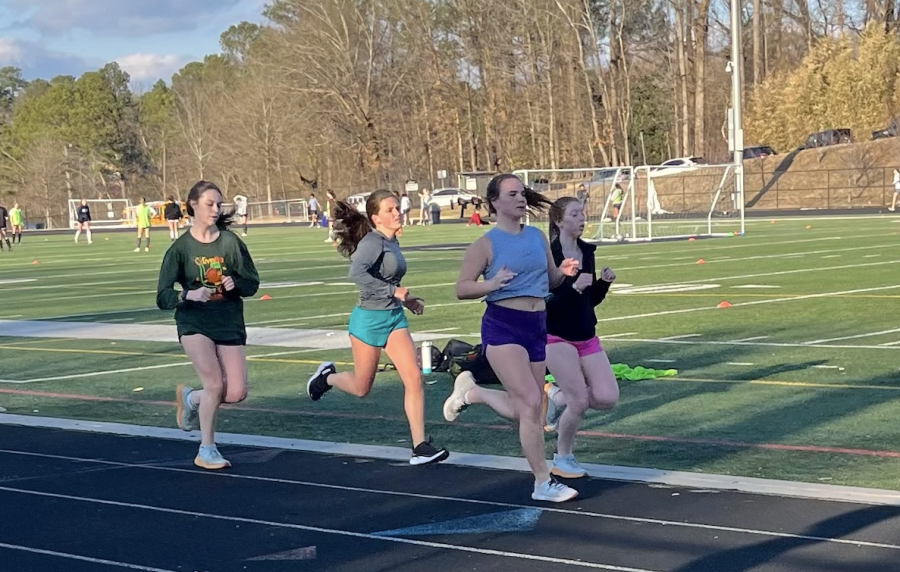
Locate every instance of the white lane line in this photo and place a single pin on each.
(761, 344)
(870, 334)
(333, 531)
(96, 373)
(659, 360)
(610, 336)
(826, 367)
(891, 344)
(682, 336)
(753, 339)
(570, 512)
(741, 363)
(82, 558)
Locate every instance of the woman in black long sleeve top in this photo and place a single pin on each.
(575, 357)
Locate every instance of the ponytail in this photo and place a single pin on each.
(200, 187)
(351, 226)
(537, 203)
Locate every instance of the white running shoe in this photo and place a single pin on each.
(554, 411)
(456, 403)
(185, 414)
(210, 458)
(567, 467)
(552, 490)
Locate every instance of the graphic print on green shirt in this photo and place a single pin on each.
(193, 265)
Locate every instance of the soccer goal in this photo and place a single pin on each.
(105, 213)
(660, 203)
(287, 211)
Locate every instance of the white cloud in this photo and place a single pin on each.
(146, 67)
(36, 61)
(130, 18)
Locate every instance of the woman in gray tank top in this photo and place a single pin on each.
(518, 271)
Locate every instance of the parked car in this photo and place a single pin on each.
(449, 197)
(358, 201)
(759, 152)
(827, 138)
(675, 166)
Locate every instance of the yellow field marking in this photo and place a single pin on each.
(41, 340)
(781, 383)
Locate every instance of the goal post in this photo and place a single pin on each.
(105, 213)
(650, 202)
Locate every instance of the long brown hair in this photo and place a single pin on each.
(351, 226)
(200, 187)
(537, 203)
(557, 213)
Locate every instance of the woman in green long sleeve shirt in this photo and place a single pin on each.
(215, 272)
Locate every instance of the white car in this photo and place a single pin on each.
(675, 166)
(450, 197)
(359, 201)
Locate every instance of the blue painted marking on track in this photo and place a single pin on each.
(520, 520)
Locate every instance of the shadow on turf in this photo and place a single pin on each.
(749, 557)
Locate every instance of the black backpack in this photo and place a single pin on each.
(459, 356)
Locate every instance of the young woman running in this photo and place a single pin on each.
(518, 272)
(575, 357)
(173, 216)
(378, 321)
(215, 272)
(83, 218)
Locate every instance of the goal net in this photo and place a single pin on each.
(651, 202)
(105, 213)
(295, 210)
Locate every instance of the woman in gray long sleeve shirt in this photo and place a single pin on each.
(378, 321)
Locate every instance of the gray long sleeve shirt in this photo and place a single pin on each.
(377, 266)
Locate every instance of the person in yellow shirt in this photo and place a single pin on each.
(143, 213)
(17, 221)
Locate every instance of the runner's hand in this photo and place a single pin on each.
(198, 295)
(501, 278)
(607, 275)
(228, 283)
(584, 281)
(569, 266)
(415, 305)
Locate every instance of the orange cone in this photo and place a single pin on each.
(773, 221)
(265, 297)
(35, 262)
(809, 226)
(724, 305)
(701, 261)
(691, 239)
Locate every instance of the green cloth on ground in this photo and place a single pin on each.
(638, 373)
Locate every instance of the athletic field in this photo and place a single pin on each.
(798, 379)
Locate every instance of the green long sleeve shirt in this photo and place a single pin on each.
(194, 264)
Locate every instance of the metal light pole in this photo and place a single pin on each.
(737, 81)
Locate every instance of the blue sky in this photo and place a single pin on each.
(151, 39)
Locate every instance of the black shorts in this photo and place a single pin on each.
(219, 342)
(80, 221)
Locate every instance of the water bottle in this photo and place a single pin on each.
(426, 357)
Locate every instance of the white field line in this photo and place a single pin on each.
(10, 317)
(759, 257)
(752, 303)
(750, 339)
(870, 334)
(437, 331)
(96, 373)
(610, 336)
(826, 367)
(891, 344)
(291, 352)
(740, 363)
(682, 336)
(659, 360)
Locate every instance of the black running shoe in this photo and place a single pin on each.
(426, 453)
(317, 386)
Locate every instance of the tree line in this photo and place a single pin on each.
(355, 95)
